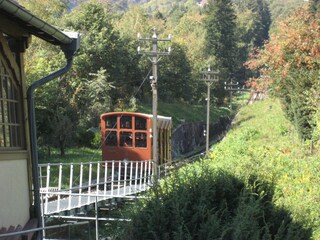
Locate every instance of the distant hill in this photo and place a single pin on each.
(161, 5)
(279, 9)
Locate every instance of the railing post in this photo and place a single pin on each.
(130, 178)
(119, 178)
(98, 177)
(149, 171)
(42, 218)
(70, 186)
(141, 175)
(145, 174)
(47, 188)
(59, 186)
(125, 178)
(136, 177)
(97, 219)
(90, 178)
(80, 183)
(105, 178)
(112, 178)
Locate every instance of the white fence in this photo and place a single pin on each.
(67, 186)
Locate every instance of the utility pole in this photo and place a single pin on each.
(154, 58)
(231, 87)
(209, 81)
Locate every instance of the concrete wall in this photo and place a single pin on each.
(14, 193)
(189, 136)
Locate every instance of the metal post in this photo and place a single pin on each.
(97, 219)
(154, 107)
(208, 118)
(154, 53)
(209, 81)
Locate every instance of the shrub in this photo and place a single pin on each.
(201, 203)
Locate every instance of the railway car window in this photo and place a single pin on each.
(111, 138)
(126, 122)
(125, 139)
(141, 139)
(140, 123)
(111, 122)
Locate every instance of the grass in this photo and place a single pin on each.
(183, 112)
(75, 155)
(263, 142)
(275, 180)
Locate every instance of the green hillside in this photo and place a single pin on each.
(260, 182)
(262, 142)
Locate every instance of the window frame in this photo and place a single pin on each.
(11, 127)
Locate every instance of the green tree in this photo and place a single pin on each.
(175, 76)
(220, 47)
(314, 6)
(221, 41)
(102, 48)
(253, 23)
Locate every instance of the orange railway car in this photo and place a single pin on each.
(128, 136)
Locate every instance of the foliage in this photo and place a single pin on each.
(253, 22)
(107, 72)
(263, 142)
(314, 6)
(257, 176)
(101, 48)
(202, 203)
(175, 71)
(220, 29)
(184, 112)
(220, 47)
(289, 66)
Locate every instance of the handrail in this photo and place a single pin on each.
(74, 184)
(41, 229)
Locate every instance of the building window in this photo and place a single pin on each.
(10, 125)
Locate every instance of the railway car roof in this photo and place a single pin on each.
(163, 122)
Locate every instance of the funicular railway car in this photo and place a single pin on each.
(128, 136)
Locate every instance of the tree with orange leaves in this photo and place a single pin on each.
(289, 67)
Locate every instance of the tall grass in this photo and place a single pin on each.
(260, 182)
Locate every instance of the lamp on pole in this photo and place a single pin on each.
(209, 81)
(154, 58)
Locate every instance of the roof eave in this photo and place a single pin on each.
(35, 25)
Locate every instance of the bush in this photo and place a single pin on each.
(202, 203)
(85, 137)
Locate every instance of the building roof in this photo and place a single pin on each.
(34, 25)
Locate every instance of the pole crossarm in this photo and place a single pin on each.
(231, 86)
(153, 57)
(155, 39)
(151, 53)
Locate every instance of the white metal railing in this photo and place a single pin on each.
(66, 186)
